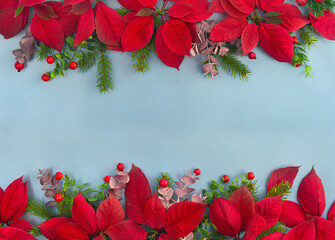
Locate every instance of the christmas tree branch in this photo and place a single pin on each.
(104, 74)
(234, 66)
(37, 208)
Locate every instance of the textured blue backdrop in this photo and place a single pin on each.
(167, 120)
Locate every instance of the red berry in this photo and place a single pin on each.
(301, 2)
(120, 167)
(298, 65)
(58, 197)
(252, 55)
(50, 59)
(45, 77)
(250, 175)
(320, 1)
(107, 178)
(225, 178)
(295, 40)
(197, 171)
(163, 183)
(73, 65)
(19, 66)
(58, 175)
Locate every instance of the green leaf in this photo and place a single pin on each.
(213, 185)
(221, 188)
(145, 12)
(18, 11)
(273, 20)
(90, 199)
(59, 56)
(271, 14)
(67, 54)
(83, 185)
(70, 41)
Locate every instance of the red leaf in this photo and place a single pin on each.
(167, 237)
(69, 231)
(81, 8)
(50, 32)
(137, 33)
(177, 37)
(109, 213)
(282, 175)
(109, 25)
(22, 224)
(228, 29)
(72, 2)
(8, 4)
(10, 25)
(231, 10)
(168, 57)
(330, 216)
(148, 3)
(47, 227)
(137, 192)
(134, 5)
(199, 11)
(180, 9)
(311, 194)
(303, 231)
(44, 11)
(85, 27)
(249, 38)
(325, 25)
(183, 217)
(274, 236)
(292, 214)
(270, 5)
(193, 30)
(321, 226)
(29, 3)
(14, 201)
(129, 17)
(244, 6)
(330, 234)
(225, 217)
(83, 214)
(256, 226)
(216, 7)
(126, 230)
(154, 212)
(270, 209)
(11, 233)
(276, 42)
(243, 201)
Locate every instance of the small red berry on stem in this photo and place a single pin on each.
(301, 2)
(45, 77)
(120, 167)
(73, 65)
(197, 171)
(295, 40)
(252, 55)
(163, 183)
(58, 175)
(19, 66)
(298, 65)
(225, 178)
(58, 197)
(107, 178)
(50, 59)
(250, 176)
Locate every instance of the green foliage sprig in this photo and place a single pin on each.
(318, 8)
(233, 66)
(37, 208)
(282, 189)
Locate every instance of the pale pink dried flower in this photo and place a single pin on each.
(118, 183)
(28, 47)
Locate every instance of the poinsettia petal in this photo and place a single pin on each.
(180, 9)
(311, 194)
(10, 25)
(245, 6)
(199, 11)
(325, 25)
(216, 7)
(270, 209)
(225, 217)
(15, 234)
(270, 5)
(330, 215)
(100, 237)
(133, 5)
(228, 29)
(137, 33)
(81, 8)
(193, 30)
(14, 199)
(44, 11)
(321, 226)
(303, 231)
(72, 2)
(276, 42)
(47, 226)
(127, 18)
(167, 237)
(126, 230)
(168, 57)
(256, 226)
(22, 224)
(282, 175)
(137, 193)
(330, 233)
(177, 37)
(83, 214)
(8, 4)
(148, 3)
(183, 217)
(109, 213)
(274, 236)
(29, 3)
(292, 214)
(109, 25)
(69, 231)
(249, 38)
(154, 212)
(243, 201)
(231, 10)
(85, 27)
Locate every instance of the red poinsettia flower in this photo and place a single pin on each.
(144, 208)
(12, 233)
(85, 222)
(13, 203)
(268, 25)
(173, 38)
(325, 25)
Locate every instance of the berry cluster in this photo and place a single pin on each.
(50, 60)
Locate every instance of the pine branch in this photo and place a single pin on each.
(317, 9)
(234, 67)
(88, 60)
(282, 189)
(36, 232)
(104, 74)
(308, 37)
(43, 51)
(278, 227)
(37, 208)
(141, 58)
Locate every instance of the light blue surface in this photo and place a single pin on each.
(167, 120)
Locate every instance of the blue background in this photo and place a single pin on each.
(166, 120)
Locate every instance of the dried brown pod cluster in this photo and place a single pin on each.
(50, 185)
(28, 47)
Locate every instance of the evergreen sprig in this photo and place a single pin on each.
(278, 227)
(300, 58)
(104, 74)
(37, 208)
(282, 189)
(43, 51)
(141, 58)
(318, 8)
(36, 232)
(308, 36)
(233, 66)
